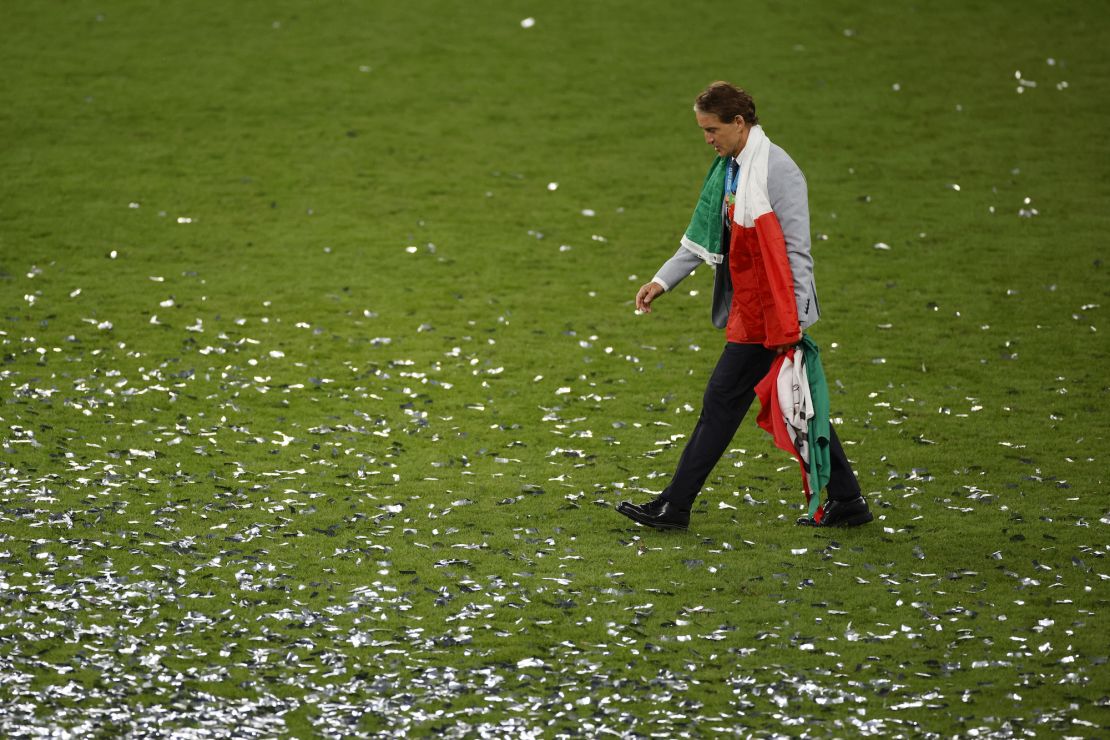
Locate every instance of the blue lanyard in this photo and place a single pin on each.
(732, 176)
(732, 181)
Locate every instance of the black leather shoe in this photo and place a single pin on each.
(651, 507)
(846, 513)
(658, 513)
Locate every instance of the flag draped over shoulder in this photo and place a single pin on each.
(794, 400)
(763, 308)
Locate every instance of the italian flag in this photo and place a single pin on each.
(763, 307)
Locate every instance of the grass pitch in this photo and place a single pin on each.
(321, 376)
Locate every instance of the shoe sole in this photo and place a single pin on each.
(666, 527)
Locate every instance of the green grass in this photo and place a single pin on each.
(317, 400)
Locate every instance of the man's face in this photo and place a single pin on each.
(726, 138)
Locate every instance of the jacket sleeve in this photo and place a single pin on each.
(677, 268)
(786, 188)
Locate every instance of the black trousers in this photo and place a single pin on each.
(728, 396)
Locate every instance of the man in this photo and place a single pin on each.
(752, 224)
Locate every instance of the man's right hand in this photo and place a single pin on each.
(648, 293)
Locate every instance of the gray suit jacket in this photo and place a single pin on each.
(786, 187)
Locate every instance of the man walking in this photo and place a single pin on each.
(752, 224)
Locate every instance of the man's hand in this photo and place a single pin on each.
(648, 292)
(783, 348)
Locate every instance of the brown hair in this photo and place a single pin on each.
(727, 101)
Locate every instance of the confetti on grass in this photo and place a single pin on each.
(384, 508)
